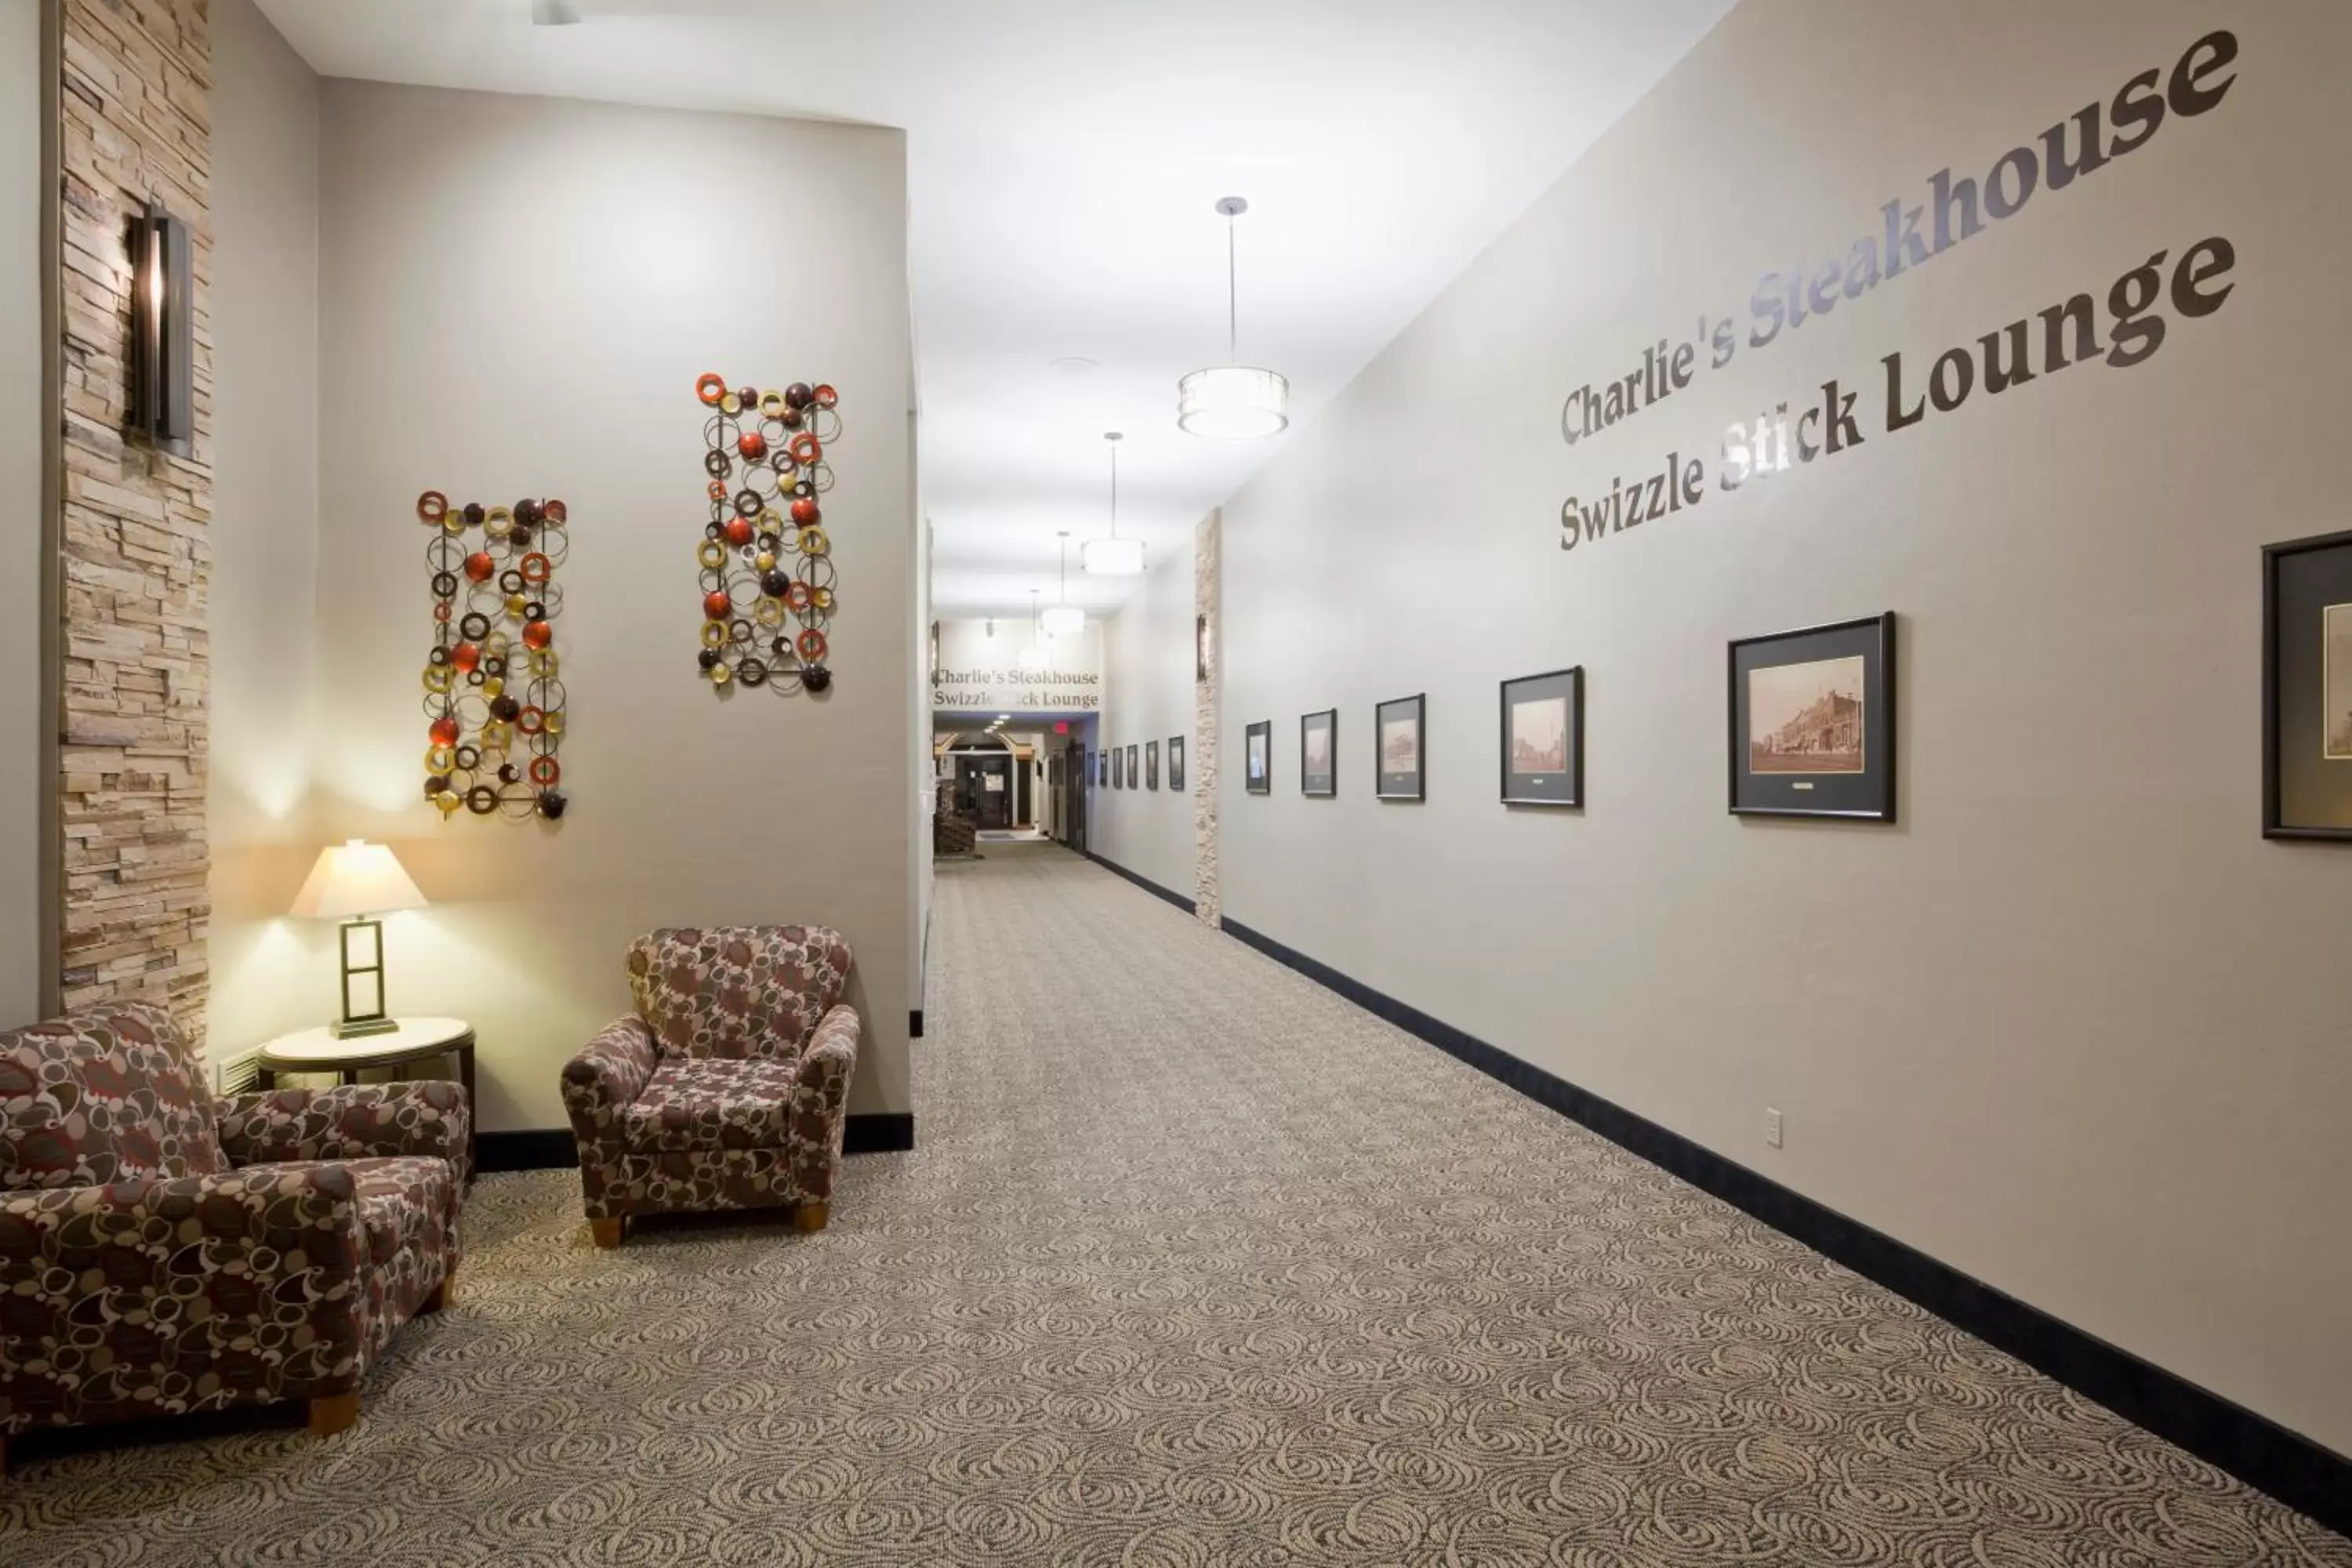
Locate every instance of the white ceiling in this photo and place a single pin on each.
(1065, 157)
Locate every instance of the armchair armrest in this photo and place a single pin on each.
(606, 1077)
(821, 1105)
(179, 1277)
(831, 1059)
(350, 1122)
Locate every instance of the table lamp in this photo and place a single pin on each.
(352, 882)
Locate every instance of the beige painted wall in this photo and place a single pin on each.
(2073, 1026)
(1148, 696)
(266, 626)
(23, 558)
(519, 294)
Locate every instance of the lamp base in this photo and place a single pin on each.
(356, 1028)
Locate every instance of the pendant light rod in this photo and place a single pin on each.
(1114, 437)
(1232, 207)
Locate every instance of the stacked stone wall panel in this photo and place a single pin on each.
(1206, 577)
(134, 112)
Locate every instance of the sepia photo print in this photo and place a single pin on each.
(2336, 683)
(1806, 718)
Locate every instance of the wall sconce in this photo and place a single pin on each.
(162, 332)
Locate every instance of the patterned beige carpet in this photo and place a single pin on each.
(1197, 1266)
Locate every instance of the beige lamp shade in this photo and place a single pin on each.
(356, 877)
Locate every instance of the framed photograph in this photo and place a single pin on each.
(1199, 649)
(1543, 739)
(1319, 745)
(1812, 721)
(1151, 764)
(1257, 758)
(1134, 768)
(2307, 689)
(1118, 770)
(1102, 770)
(1397, 736)
(1175, 762)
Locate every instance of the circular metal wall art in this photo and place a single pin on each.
(492, 571)
(765, 572)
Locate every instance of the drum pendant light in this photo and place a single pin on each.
(1112, 556)
(1232, 402)
(1064, 619)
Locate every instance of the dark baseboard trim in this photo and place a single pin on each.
(533, 1149)
(914, 1023)
(879, 1132)
(2291, 1467)
(552, 1148)
(1146, 883)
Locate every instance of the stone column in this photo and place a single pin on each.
(1208, 658)
(133, 530)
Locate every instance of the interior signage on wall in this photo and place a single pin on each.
(983, 690)
(2189, 283)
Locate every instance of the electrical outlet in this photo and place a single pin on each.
(1771, 1128)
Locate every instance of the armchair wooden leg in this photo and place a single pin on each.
(605, 1232)
(334, 1414)
(441, 1296)
(811, 1217)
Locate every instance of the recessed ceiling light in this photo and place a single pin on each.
(1072, 365)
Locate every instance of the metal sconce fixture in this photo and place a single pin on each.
(162, 332)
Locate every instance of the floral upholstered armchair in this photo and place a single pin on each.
(164, 1252)
(729, 1086)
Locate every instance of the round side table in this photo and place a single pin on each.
(416, 1040)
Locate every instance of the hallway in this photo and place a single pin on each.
(1194, 1265)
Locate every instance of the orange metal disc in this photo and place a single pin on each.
(710, 389)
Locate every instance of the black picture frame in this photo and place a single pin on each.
(1400, 782)
(1832, 756)
(1560, 787)
(1134, 768)
(1102, 769)
(1199, 650)
(1117, 769)
(1322, 783)
(1175, 762)
(1257, 758)
(2307, 771)
(1151, 764)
